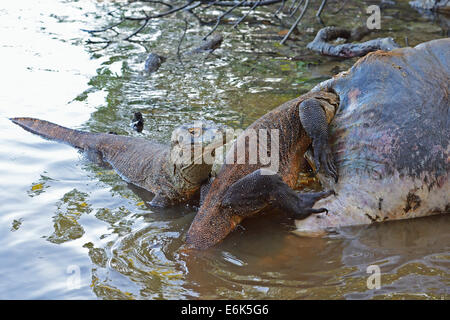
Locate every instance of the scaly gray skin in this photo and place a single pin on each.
(147, 164)
(153, 62)
(390, 145)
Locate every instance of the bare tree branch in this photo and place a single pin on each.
(322, 5)
(190, 5)
(181, 40)
(248, 12)
(342, 7)
(219, 19)
(104, 29)
(296, 8)
(292, 5)
(138, 30)
(295, 23)
(347, 50)
(154, 1)
(244, 3)
(166, 13)
(280, 8)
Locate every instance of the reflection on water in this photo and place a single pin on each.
(58, 210)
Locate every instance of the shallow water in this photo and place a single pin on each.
(71, 229)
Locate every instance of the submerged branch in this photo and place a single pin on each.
(244, 3)
(248, 12)
(295, 23)
(280, 8)
(348, 50)
(188, 6)
(199, 6)
(322, 5)
(296, 8)
(219, 19)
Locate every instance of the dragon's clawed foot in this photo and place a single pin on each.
(323, 157)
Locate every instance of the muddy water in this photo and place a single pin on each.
(71, 229)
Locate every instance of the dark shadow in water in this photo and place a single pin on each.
(164, 212)
(265, 255)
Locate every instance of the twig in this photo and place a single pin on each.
(295, 23)
(322, 5)
(146, 21)
(104, 29)
(342, 7)
(292, 5)
(242, 3)
(181, 40)
(248, 12)
(280, 8)
(107, 44)
(193, 6)
(165, 13)
(219, 19)
(189, 6)
(209, 5)
(202, 22)
(154, 1)
(296, 8)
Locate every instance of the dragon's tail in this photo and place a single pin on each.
(52, 131)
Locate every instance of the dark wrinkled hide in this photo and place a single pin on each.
(139, 161)
(390, 138)
(393, 114)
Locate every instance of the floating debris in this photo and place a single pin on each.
(153, 62)
(138, 122)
